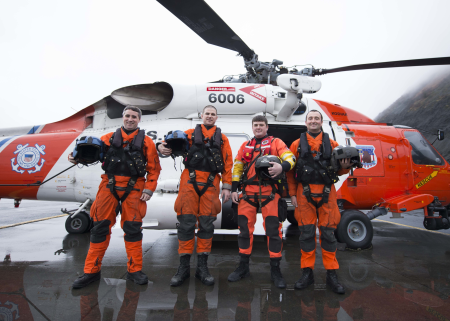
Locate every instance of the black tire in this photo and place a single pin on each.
(79, 224)
(355, 229)
(291, 218)
(430, 223)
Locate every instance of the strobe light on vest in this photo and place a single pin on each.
(262, 167)
(88, 150)
(343, 152)
(177, 140)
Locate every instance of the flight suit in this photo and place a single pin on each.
(192, 209)
(327, 216)
(133, 210)
(247, 212)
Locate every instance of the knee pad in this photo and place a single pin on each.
(307, 243)
(133, 231)
(206, 225)
(244, 232)
(100, 231)
(272, 224)
(186, 228)
(329, 242)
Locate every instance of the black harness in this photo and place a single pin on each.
(315, 168)
(204, 155)
(124, 161)
(245, 181)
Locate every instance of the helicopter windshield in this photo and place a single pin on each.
(422, 152)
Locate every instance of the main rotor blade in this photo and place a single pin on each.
(388, 64)
(198, 15)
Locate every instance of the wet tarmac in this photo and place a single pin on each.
(406, 276)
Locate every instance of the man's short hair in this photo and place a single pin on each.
(209, 106)
(133, 108)
(316, 111)
(260, 118)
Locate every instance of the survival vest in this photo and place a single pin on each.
(247, 158)
(124, 161)
(204, 155)
(315, 168)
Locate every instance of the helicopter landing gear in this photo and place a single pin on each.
(438, 222)
(291, 218)
(79, 224)
(355, 229)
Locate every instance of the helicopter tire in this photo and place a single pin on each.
(430, 224)
(355, 229)
(291, 218)
(79, 224)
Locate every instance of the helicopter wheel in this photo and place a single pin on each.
(355, 229)
(79, 224)
(291, 218)
(430, 224)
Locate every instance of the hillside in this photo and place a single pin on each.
(424, 108)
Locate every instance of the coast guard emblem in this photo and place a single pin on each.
(28, 159)
(7, 314)
(367, 156)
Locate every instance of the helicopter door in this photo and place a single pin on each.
(426, 161)
(371, 156)
(287, 133)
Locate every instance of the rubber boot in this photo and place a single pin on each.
(332, 281)
(202, 272)
(242, 271)
(184, 271)
(305, 280)
(138, 277)
(85, 279)
(275, 273)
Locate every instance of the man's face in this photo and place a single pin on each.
(260, 129)
(130, 119)
(314, 122)
(209, 116)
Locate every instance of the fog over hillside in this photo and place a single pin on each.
(425, 108)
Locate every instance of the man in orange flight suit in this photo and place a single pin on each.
(198, 197)
(244, 165)
(127, 184)
(309, 188)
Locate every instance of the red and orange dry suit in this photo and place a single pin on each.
(307, 214)
(133, 210)
(247, 212)
(192, 209)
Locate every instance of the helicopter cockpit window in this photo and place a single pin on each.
(422, 152)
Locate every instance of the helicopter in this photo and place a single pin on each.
(401, 171)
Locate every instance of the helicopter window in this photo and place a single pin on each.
(422, 152)
(288, 134)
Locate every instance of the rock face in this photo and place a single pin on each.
(426, 108)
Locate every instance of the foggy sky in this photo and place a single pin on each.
(58, 57)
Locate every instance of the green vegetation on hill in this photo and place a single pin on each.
(425, 108)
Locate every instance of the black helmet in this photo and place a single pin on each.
(177, 140)
(262, 167)
(343, 152)
(88, 150)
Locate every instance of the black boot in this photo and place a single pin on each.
(184, 271)
(332, 281)
(202, 272)
(85, 279)
(138, 277)
(305, 280)
(242, 271)
(275, 273)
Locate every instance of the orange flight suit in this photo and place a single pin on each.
(247, 212)
(133, 210)
(193, 210)
(307, 215)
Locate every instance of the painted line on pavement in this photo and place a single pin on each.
(39, 219)
(417, 228)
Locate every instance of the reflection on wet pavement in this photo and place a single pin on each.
(405, 276)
